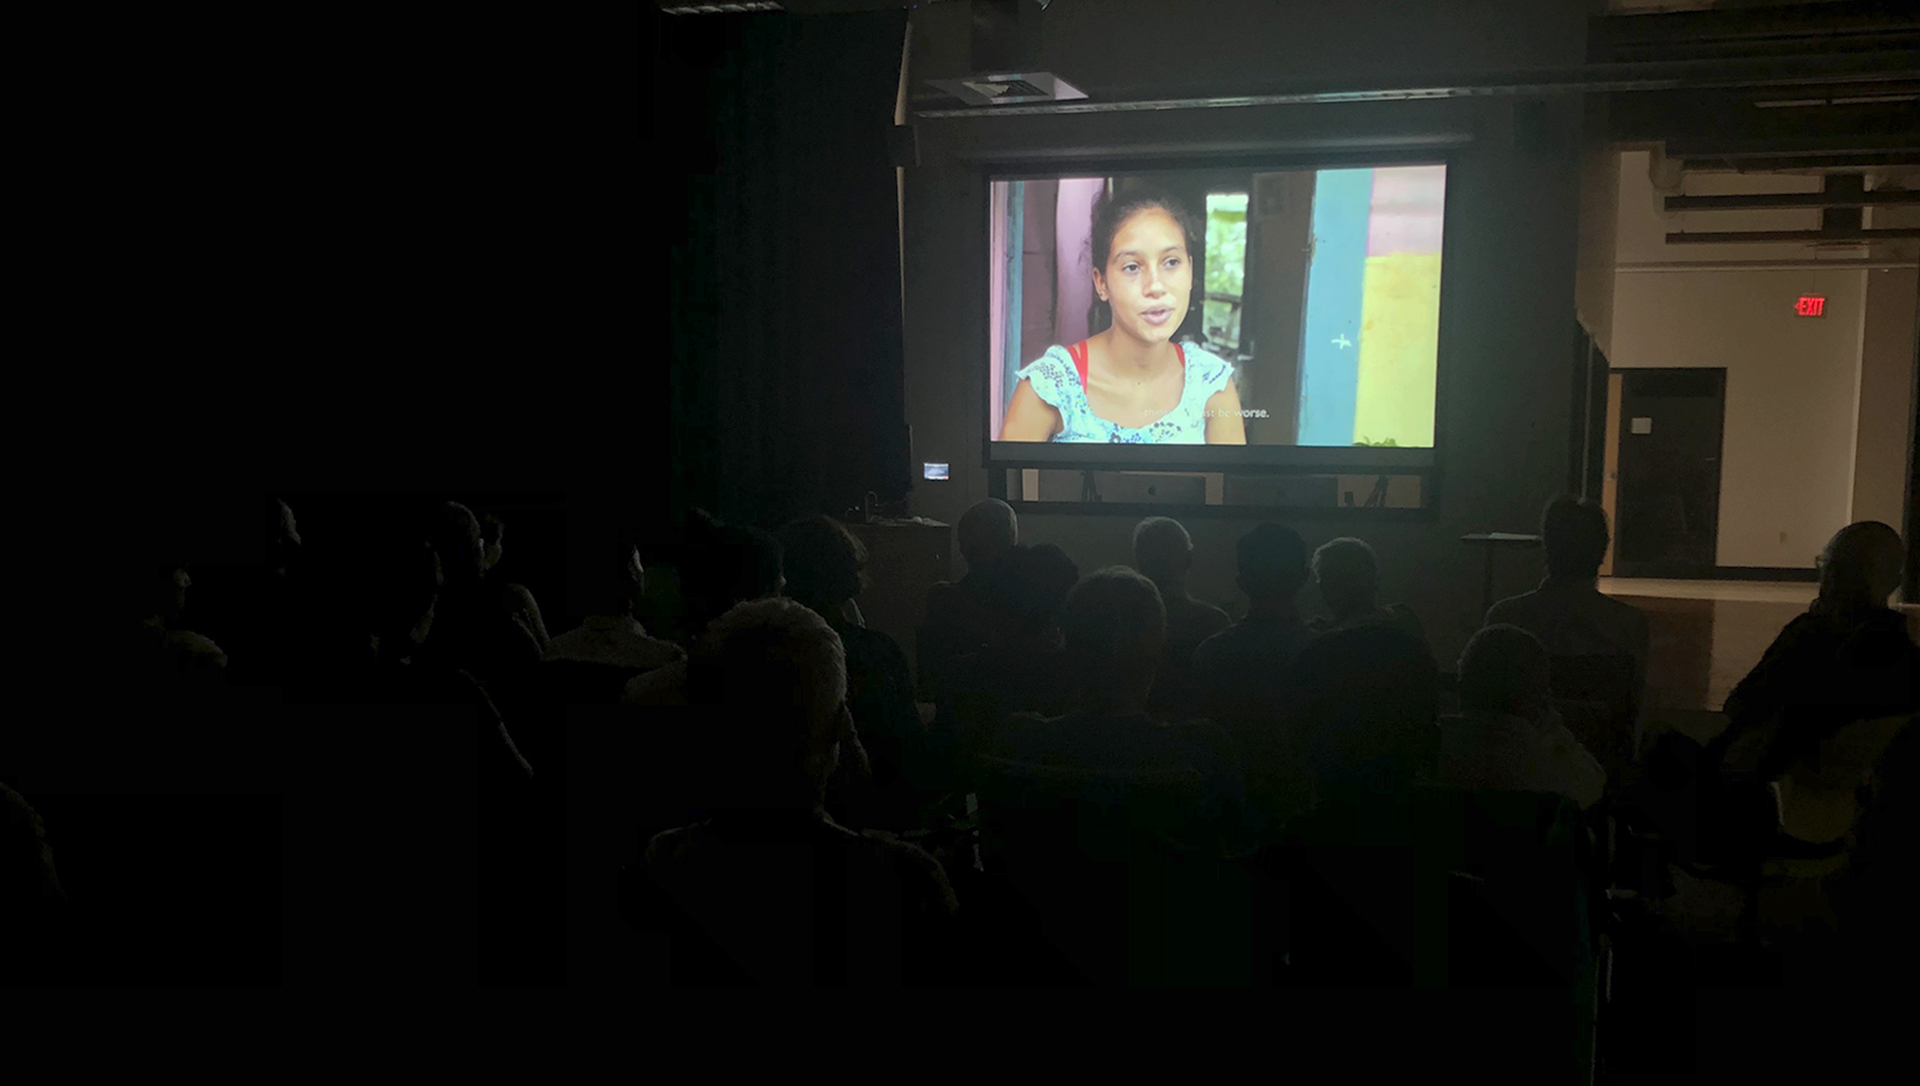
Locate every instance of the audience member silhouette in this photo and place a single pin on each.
(1362, 712)
(518, 601)
(274, 610)
(283, 538)
(724, 566)
(492, 535)
(770, 890)
(34, 918)
(1025, 668)
(480, 626)
(417, 759)
(1114, 626)
(1348, 575)
(611, 635)
(481, 613)
(1241, 671)
(1163, 553)
(165, 660)
(1847, 659)
(1568, 613)
(1508, 737)
(721, 566)
(824, 565)
(958, 615)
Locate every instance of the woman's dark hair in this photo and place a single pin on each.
(1273, 561)
(1028, 587)
(823, 561)
(1504, 669)
(398, 577)
(1362, 699)
(724, 564)
(1114, 210)
(1576, 537)
(1851, 561)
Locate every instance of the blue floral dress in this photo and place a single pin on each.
(1059, 377)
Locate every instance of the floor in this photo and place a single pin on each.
(1706, 636)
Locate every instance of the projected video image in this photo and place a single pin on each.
(1297, 308)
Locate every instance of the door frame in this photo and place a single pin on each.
(1616, 431)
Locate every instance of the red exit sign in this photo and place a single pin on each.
(1810, 305)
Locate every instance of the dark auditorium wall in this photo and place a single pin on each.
(785, 334)
(1508, 284)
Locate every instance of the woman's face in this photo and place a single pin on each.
(1148, 277)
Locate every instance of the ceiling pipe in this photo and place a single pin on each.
(1784, 200)
(1886, 66)
(1726, 237)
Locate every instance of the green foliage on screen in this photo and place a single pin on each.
(1226, 243)
(1226, 265)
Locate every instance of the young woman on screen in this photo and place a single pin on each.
(1132, 384)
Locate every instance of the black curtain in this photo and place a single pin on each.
(788, 387)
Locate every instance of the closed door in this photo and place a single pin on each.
(1668, 498)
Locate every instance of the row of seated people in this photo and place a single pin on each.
(422, 625)
(992, 646)
(1361, 696)
(361, 680)
(733, 912)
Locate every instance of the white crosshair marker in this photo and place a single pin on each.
(1341, 341)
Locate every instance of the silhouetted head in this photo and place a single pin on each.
(823, 562)
(27, 875)
(1506, 670)
(607, 580)
(723, 565)
(1364, 703)
(492, 535)
(1273, 564)
(455, 534)
(777, 674)
(1348, 575)
(160, 591)
(283, 538)
(1576, 537)
(1860, 567)
(1142, 257)
(1162, 550)
(397, 579)
(987, 531)
(1028, 589)
(1115, 627)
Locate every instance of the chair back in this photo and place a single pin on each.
(1517, 867)
(1599, 698)
(1090, 868)
(1062, 812)
(1819, 794)
(583, 682)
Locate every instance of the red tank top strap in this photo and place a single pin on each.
(1079, 353)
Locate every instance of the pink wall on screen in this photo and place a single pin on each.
(1408, 202)
(1075, 230)
(997, 310)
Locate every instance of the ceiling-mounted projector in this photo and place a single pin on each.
(1004, 66)
(1009, 88)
